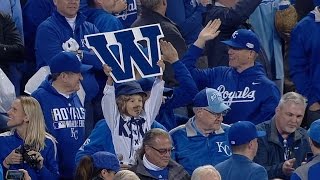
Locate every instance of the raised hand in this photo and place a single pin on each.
(169, 53)
(209, 32)
(107, 70)
(120, 5)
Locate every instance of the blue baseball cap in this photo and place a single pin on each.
(147, 83)
(316, 2)
(67, 62)
(129, 88)
(314, 131)
(211, 99)
(106, 160)
(243, 132)
(244, 39)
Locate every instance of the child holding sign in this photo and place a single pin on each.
(129, 113)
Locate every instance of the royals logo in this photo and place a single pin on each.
(122, 52)
(229, 97)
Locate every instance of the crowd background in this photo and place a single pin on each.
(240, 86)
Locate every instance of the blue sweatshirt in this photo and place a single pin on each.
(304, 57)
(188, 16)
(104, 21)
(11, 140)
(65, 119)
(34, 13)
(250, 94)
(53, 32)
(182, 96)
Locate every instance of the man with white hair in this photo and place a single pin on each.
(206, 172)
(203, 139)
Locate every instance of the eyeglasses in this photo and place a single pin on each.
(216, 114)
(163, 151)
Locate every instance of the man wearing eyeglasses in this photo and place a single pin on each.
(203, 139)
(154, 158)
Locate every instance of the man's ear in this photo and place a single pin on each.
(55, 2)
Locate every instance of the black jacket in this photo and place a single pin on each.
(11, 45)
(171, 34)
(231, 20)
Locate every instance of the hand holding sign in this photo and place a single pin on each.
(107, 70)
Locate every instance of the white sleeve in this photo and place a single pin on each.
(152, 105)
(109, 107)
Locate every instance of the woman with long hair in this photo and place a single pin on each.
(27, 145)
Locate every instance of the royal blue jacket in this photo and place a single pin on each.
(34, 13)
(65, 120)
(188, 17)
(104, 21)
(53, 32)
(182, 96)
(192, 149)
(100, 139)
(308, 171)
(237, 164)
(11, 140)
(250, 94)
(304, 57)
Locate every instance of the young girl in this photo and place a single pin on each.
(129, 114)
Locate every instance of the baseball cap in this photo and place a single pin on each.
(129, 88)
(106, 160)
(316, 2)
(244, 39)
(147, 83)
(67, 62)
(211, 99)
(314, 131)
(243, 132)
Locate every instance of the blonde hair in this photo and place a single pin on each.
(122, 100)
(126, 175)
(36, 129)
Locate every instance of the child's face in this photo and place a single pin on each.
(134, 105)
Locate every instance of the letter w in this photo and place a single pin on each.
(121, 51)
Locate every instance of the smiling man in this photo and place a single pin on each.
(203, 139)
(244, 85)
(154, 159)
(64, 114)
(286, 144)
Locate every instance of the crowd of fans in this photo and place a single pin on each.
(238, 99)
